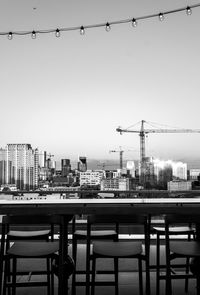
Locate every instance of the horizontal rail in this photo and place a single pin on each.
(63, 191)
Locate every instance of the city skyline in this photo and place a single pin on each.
(109, 163)
(68, 95)
(23, 167)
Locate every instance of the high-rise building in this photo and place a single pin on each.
(42, 159)
(163, 171)
(146, 170)
(3, 166)
(82, 164)
(130, 166)
(65, 167)
(19, 165)
(180, 170)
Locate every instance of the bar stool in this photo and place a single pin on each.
(179, 249)
(120, 249)
(29, 245)
(81, 235)
(173, 231)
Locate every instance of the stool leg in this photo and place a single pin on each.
(168, 283)
(87, 289)
(158, 264)
(14, 274)
(187, 268)
(51, 278)
(2, 261)
(74, 255)
(116, 271)
(7, 277)
(187, 272)
(140, 276)
(198, 284)
(93, 275)
(48, 277)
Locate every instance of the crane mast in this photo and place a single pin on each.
(120, 156)
(142, 141)
(142, 132)
(142, 152)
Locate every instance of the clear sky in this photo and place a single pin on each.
(67, 95)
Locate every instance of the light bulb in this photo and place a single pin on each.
(33, 35)
(161, 17)
(10, 36)
(57, 33)
(188, 10)
(108, 28)
(134, 22)
(82, 30)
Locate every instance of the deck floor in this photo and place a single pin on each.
(128, 278)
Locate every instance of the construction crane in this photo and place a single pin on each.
(142, 133)
(120, 151)
(47, 158)
(103, 165)
(50, 156)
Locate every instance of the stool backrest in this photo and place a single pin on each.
(133, 219)
(191, 220)
(182, 218)
(130, 219)
(33, 219)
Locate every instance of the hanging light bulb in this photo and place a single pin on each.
(108, 28)
(161, 17)
(134, 22)
(188, 10)
(33, 35)
(82, 30)
(10, 36)
(57, 33)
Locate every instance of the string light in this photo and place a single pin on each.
(57, 33)
(108, 28)
(134, 21)
(82, 30)
(188, 10)
(161, 17)
(33, 35)
(10, 36)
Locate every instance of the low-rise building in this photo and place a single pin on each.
(91, 177)
(179, 185)
(121, 184)
(194, 174)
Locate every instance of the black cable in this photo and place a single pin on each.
(160, 15)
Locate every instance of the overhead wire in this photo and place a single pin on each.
(107, 25)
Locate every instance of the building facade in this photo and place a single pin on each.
(178, 185)
(19, 166)
(82, 164)
(194, 174)
(65, 167)
(118, 183)
(91, 177)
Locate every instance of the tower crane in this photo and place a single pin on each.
(120, 151)
(103, 165)
(47, 158)
(142, 133)
(50, 156)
